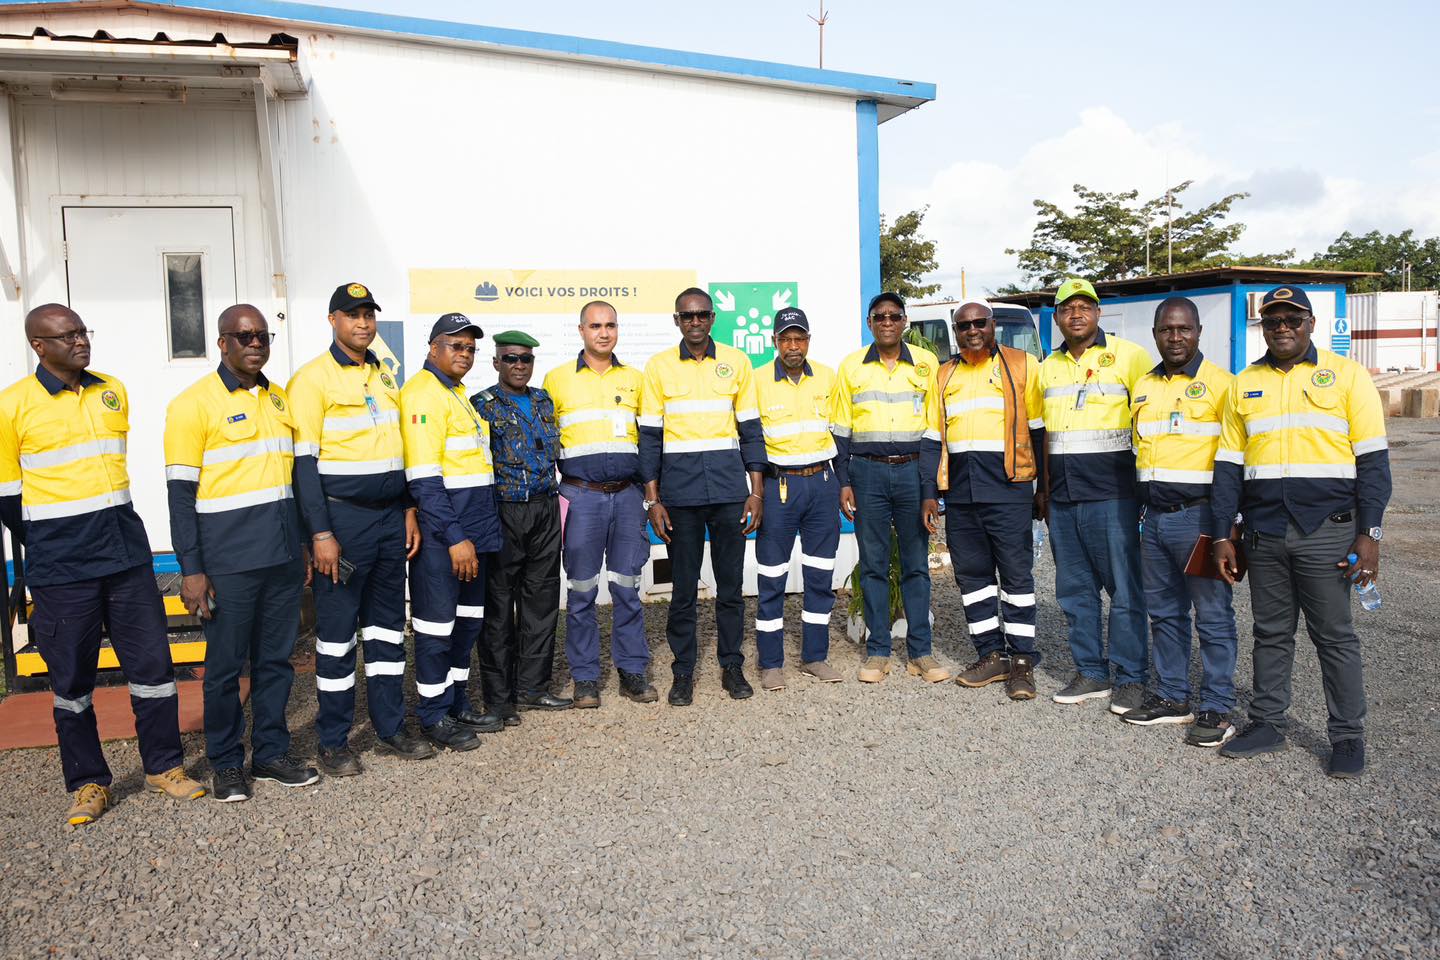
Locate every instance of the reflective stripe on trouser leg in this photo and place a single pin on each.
(337, 606)
(382, 627)
(773, 545)
(71, 647)
(819, 539)
(434, 594)
(627, 550)
(469, 623)
(136, 615)
(974, 566)
(587, 523)
(1008, 527)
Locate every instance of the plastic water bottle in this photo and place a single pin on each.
(1369, 594)
(1037, 536)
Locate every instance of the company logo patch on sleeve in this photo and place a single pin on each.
(235, 419)
(1252, 394)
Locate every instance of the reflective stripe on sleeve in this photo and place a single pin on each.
(177, 472)
(1236, 457)
(421, 471)
(1370, 446)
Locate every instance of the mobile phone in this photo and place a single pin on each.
(345, 568)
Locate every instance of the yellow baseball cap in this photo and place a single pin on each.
(1075, 287)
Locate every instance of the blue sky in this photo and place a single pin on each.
(1327, 112)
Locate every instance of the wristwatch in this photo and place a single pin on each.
(648, 504)
(1375, 533)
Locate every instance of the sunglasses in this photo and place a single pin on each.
(962, 325)
(1293, 321)
(887, 318)
(513, 358)
(249, 338)
(694, 316)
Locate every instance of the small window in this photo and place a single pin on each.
(185, 305)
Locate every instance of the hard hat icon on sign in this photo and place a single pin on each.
(487, 292)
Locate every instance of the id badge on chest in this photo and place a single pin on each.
(373, 406)
(619, 425)
(1177, 421)
(919, 402)
(1082, 397)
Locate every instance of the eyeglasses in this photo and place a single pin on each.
(694, 316)
(509, 359)
(793, 339)
(250, 337)
(455, 346)
(70, 337)
(887, 318)
(962, 325)
(1292, 320)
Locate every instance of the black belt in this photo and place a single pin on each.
(609, 486)
(1182, 505)
(367, 504)
(897, 458)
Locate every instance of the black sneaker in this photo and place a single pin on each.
(340, 762)
(451, 733)
(1212, 729)
(230, 786)
(1258, 737)
(1347, 759)
(634, 686)
(587, 695)
(407, 747)
(1127, 697)
(1082, 688)
(682, 692)
(285, 770)
(1155, 709)
(735, 684)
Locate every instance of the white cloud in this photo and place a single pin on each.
(980, 206)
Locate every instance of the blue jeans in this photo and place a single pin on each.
(1165, 547)
(887, 495)
(1097, 546)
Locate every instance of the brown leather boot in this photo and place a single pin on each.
(989, 668)
(1021, 683)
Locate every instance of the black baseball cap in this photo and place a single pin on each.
(1295, 296)
(348, 296)
(791, 317)
(454, 323)
(889, 296)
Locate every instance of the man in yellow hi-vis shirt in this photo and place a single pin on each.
(802, 497)
(65, 491)
(887, 441)
(1093, 515)
(350, 485)
(994, 435)
(1303, 455)
(229, 459)
(1177, 409)
(701, 451)
(597, 399)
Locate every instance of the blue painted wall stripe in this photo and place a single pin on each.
(1239, 309)
(581, 47)
(867, 150)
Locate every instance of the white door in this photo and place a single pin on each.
(151, 281)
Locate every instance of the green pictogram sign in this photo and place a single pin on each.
(745, 316)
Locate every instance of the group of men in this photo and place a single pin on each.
(344, 479)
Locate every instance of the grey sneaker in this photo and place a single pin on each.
(772, 679)
(1127, 697)
(1082, 688)
(822, 671)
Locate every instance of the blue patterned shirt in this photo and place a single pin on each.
(523, 444)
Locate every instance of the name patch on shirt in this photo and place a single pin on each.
(1252, 394)
(1141, 398)
(235, 419)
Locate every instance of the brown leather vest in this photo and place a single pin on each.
(1019, 455)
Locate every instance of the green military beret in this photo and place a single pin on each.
(515, 338)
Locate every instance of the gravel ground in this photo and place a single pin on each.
(840, 820)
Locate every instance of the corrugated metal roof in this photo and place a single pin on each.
(893, 96)
(1191, 280)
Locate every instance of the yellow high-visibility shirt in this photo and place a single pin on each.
(700, 426)
(795, 417)
(447, 461)
(229, 462)
(875, 411)
(63, 480)
(347, 434)
(1177, 430)
(596, 413)
(1087, 419)
(1300, 445)
(974, 412)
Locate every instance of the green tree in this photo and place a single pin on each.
(906, 256)
(1385, 254)
(1105, 238)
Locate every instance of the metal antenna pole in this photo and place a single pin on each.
(820, 21)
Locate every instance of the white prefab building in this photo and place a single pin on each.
(1397, 330)
(168, 159)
